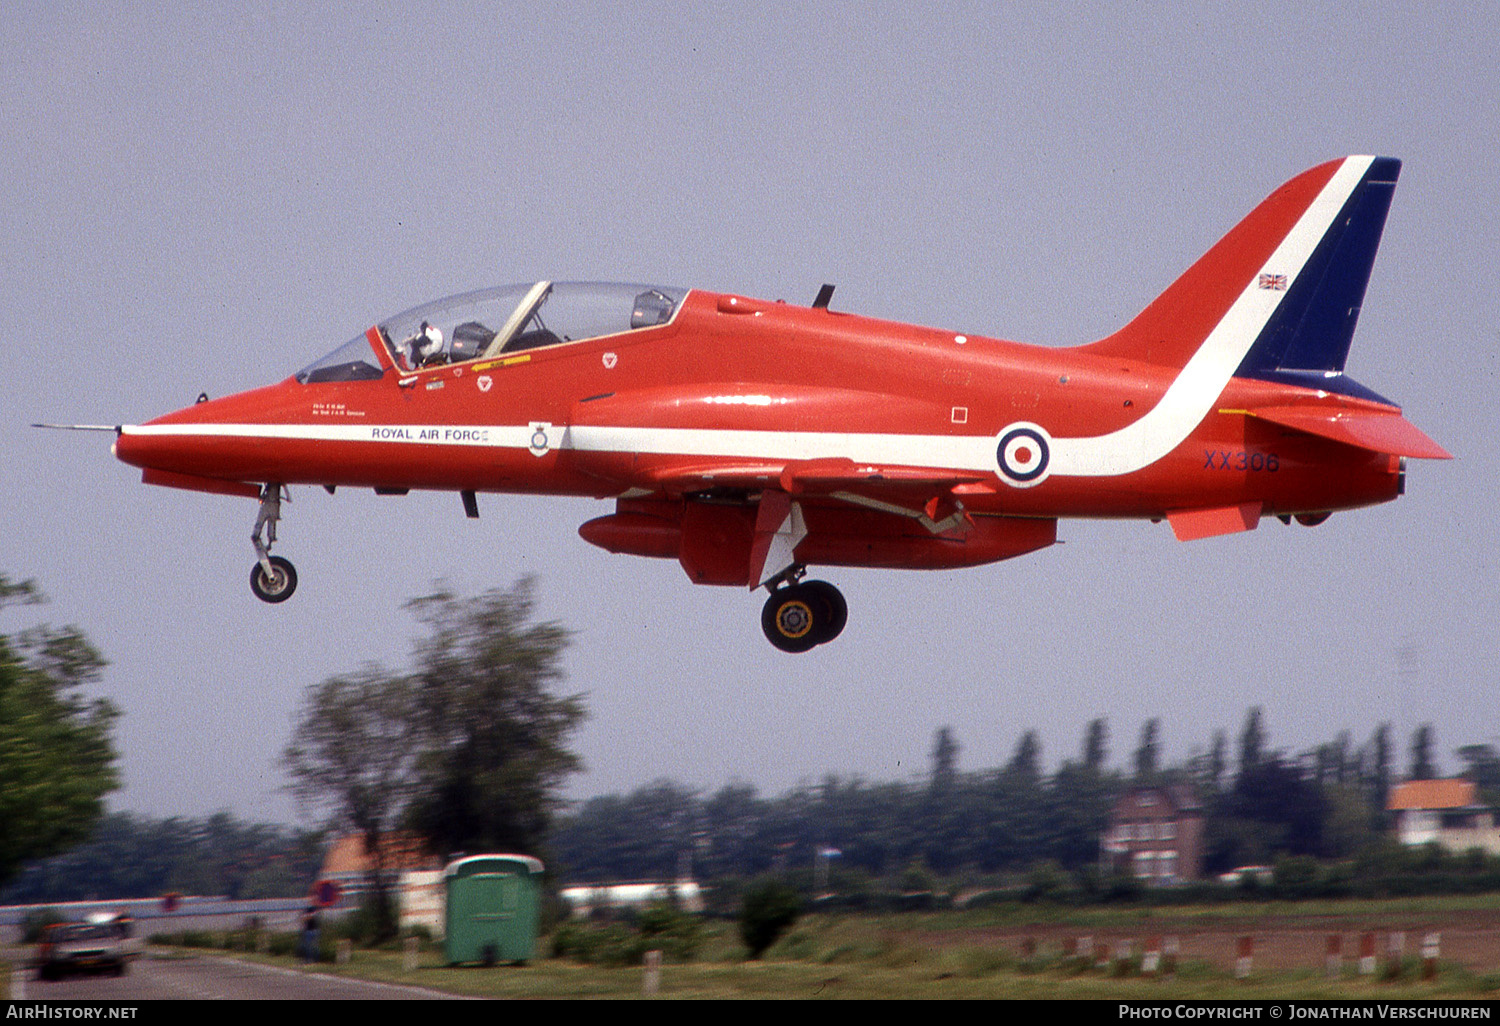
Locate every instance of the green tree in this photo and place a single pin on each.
(1079, 798)
(733, 819)
(944, 762)
(57, 761)
(1148, 753)
(1096, 745)
(352, 756)
(1273, 808)
(1423, 766)
(467, 750)
(1252, 742)
(1482, 766)
(1217, 761)
(770, 908)
(1026, 763)
(1380, 769)
(493, 734)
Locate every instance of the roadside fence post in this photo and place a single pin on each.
(1151, 958)
(1395, 949)
(1429, 956)
(652, 982)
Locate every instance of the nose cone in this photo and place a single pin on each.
(212, 442)
(166, 442)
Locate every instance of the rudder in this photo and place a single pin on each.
(1307, 341)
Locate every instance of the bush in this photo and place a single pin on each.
(674, 932)
(1047, 882)
(769, 909)
(612, 945)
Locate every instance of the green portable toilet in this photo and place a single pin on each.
(494, 903)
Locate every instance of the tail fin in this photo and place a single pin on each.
(1308, 249)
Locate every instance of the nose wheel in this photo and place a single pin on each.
(278, 585)
(272, 578)
(799, 617)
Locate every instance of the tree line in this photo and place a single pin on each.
(130, 856)
(1258, 804)
(467, 748)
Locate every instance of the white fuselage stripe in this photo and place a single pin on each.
(968, 452)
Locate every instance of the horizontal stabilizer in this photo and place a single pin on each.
(1366, 429)
(1192, 524)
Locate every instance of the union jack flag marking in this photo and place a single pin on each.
(1274, 282)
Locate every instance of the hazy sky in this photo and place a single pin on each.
(206, 198)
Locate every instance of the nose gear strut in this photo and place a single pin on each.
(272, 578)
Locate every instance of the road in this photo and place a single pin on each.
(210, 978)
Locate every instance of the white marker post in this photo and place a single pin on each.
(652, 981)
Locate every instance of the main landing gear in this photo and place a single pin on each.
(272, 578)
(800, 615)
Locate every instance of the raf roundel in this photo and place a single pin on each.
(1024, 454)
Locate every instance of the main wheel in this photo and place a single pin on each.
(279, 586)
(803, 616)
(830, 620)
(790, 618)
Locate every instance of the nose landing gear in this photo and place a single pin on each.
(272, 578)
(800, 616)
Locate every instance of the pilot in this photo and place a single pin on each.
(426, 346)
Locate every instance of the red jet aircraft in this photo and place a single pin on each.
(750, 439)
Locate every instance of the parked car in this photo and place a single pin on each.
(1260, 874)
(68, 948)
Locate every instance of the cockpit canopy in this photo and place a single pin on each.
(492, 322)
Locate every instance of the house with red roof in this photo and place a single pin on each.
(1444, 812)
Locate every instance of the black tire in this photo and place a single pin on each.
(834, 614)
(791, 616)
(278, 589)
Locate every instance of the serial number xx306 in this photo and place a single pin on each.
(1215, 459)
